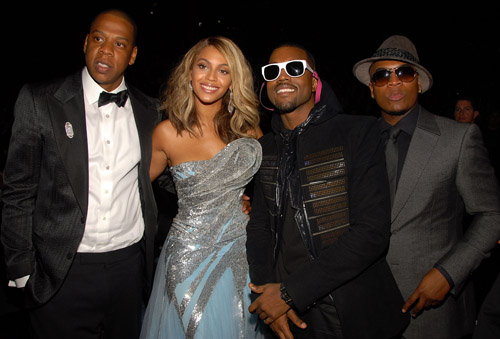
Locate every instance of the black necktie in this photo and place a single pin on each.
(391, 158)
(118, 98)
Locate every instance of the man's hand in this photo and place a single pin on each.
(247, 208)
(269, 305)
(282, 329)
(431, 291)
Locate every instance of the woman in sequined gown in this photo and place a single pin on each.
(209, 143)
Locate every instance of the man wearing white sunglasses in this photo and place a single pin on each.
(320, 220)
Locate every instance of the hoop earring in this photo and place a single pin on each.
(260, 97)
(230, 106)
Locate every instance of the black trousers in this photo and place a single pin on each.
(100, 298)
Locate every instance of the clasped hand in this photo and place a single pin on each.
(273, 310)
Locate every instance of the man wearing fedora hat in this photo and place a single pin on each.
(437, 168)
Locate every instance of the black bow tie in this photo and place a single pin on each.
(119, 98)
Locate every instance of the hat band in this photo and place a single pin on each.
(395, 53)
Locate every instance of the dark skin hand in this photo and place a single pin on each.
(282, 329)
(431, 291)
(247, 208)
(273, 310)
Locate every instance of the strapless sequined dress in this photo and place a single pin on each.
(200, 287)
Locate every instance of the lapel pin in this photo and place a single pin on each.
(69, 130)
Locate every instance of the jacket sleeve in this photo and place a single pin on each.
(479, 189)
(259, 238)
(367, 239)
(21, 176)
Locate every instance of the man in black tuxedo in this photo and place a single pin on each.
(79, 215)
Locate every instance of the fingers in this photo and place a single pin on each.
(256, 288)
(254, 306)
(268, 304)
(267, 319)
(282, 334)
(281, 328)
(247, 207)
(296, 319)
(410, 301)
(418, 308)
(423, 303)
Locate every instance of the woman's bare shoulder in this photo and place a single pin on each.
(165, 129)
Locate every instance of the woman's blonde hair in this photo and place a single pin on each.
(178, 98)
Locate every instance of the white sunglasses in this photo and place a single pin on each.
(294, 68)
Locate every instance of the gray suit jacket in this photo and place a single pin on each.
(46, 183)
(445, 170)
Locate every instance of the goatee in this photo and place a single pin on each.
(285, 108)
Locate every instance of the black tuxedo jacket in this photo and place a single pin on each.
(46, 183)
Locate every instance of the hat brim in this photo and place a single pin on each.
(362, 71)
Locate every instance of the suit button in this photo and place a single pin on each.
(69, 256)
(82, 219)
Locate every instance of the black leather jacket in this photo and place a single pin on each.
(320, 177)
(332, 170)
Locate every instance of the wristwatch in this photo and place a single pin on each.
(285, 296)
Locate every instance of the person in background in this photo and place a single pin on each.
(437, 169)
(465, 109)
(79, 214)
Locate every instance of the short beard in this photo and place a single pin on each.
(286, 108)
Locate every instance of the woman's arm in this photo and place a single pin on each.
(159, 159)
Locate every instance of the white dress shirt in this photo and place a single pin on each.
(114, 216)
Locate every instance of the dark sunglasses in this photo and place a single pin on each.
(294, 68)
(404, 73)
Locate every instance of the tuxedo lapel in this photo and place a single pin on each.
(144, 124)
(67, 111)
(422, 143)
(141, 120)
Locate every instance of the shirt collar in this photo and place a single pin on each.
(407, 124)
(92, 89)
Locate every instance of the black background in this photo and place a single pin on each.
(460, 46)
